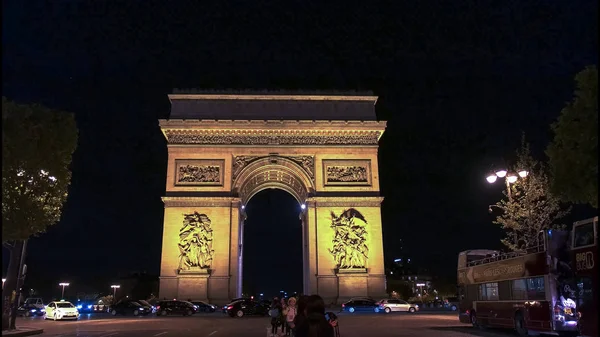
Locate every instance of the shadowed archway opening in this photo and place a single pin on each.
(272, 242)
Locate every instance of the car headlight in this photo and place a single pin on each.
(79, 306)
(89, 306)
(141, 309)
(33, 310)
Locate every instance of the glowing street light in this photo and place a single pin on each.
(509, 178)
(63, 285)
(3, 280)
(115, 287)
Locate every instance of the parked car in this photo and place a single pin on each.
(147, 304)
(360, 305)
(59, 310)
(390, 305)
(129, 308)
(204, 307)
(185, 308)
(247, 307)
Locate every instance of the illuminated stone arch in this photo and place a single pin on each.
(273, 172)
(225, 148)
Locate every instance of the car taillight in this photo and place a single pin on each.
(467, 311)
(343, 305)
(157, 307)
(230, 307)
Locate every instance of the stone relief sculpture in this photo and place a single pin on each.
(345, 174)
(199, 174)
(349, 242)
(195, 242)
(307, 163)
(239, 162)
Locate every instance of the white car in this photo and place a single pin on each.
(61, 310)
(389, 305)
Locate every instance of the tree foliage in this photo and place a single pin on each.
(529, 207)
(573, 154)
(37, 146)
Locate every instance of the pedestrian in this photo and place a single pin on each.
(275, 314)
(300, 312)
(290, 315)
(315, 324)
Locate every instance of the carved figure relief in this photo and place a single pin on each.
(199, 172)
(350, 239)
(239, 162)
(347, 172)
(307, 163)
(195, 242)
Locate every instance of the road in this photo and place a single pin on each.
(217, 325)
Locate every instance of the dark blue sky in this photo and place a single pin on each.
(458, 82)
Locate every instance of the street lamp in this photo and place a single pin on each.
(115, 287)
(63, 285)
(509, 178)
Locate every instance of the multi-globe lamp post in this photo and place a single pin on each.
(509, 178)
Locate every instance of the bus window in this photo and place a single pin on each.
(584, 235)
(488, 291)
(536, 289)
(519, 289)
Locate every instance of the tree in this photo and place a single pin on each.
(573, 154)
(529, 206)
(37, 146)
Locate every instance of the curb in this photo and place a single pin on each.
(22, 332)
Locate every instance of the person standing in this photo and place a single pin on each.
(315, 324)
(290, 315)
(275, 314)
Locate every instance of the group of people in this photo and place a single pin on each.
(304, 317)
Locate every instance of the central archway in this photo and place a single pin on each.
(257, 174)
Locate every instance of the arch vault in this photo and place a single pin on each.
(225, 148)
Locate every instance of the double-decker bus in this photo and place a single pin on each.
(584, 248)
(530, 291)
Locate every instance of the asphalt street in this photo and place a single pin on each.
(217, 325)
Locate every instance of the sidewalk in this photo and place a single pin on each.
(22, 331)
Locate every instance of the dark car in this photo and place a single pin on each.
(361, 305)
(247, 307)
(129, 308)
(185, 308)
(30, 310)
(204, 307)
(232, 301)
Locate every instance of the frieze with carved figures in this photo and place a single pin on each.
(347, 172)
(272, 138)
(199, 172)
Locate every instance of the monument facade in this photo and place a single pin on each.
(223, 148)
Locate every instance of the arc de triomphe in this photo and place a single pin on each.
(224, 148)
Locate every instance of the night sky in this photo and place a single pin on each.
(458, 83)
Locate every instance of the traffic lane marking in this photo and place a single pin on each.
(161, 333)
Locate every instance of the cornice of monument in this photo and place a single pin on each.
(272, 132)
